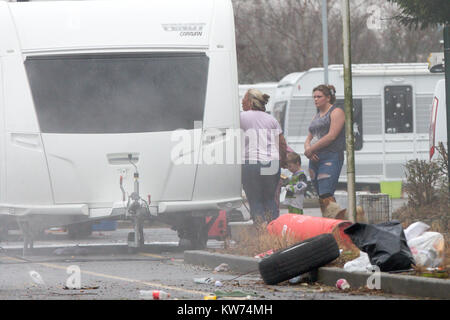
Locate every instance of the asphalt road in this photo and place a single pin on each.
(114, 274)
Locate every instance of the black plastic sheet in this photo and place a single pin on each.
(385, 244)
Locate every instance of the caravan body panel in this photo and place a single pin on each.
(389, 139)
(86, 83)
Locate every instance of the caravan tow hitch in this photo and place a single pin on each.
(137, 210)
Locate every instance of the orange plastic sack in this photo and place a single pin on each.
(301, 227)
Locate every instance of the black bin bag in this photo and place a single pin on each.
(385, 244)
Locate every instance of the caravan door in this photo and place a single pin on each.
(96, 109)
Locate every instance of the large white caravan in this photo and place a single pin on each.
(91, 95)
(392, 104)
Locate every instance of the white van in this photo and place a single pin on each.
(391, 112)
(91, 94)
(438, 120)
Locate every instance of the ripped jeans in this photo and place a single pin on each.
(325, 173)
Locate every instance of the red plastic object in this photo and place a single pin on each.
(218, 226)
(264, 254)
(302, 227)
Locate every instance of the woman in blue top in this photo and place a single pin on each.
(324, 147)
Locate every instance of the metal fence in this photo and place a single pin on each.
(377, 206)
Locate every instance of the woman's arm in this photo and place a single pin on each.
(308, 141)
(337, 119)
(308, 153)
(282, 150)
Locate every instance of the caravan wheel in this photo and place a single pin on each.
(193, 234)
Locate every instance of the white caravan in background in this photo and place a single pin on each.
(438, 120)
(269, 88)
(392, 104)
(284, 90)
(91, 93)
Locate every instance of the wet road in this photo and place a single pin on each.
(113, 273)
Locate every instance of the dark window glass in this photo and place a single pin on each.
(118, 93)
(398, 109)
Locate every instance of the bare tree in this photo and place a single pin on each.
(277, 37)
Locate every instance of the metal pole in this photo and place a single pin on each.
(447, 86)
(349, 111)
(325, 40)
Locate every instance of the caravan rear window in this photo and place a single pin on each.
(118, 93)
(398, 109)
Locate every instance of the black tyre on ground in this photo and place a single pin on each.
(299, 258)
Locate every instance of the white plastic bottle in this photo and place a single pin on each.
(154, 294)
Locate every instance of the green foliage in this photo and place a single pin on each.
(423, 13)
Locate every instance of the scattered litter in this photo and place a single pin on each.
(70, 251)
(385, 243)
(342, 284)
(428, 249)
(81, 288)
(434, 269)
(415, 229)
(264, 254)
(154, 294)
(235, 294)
(360, 264)
(36, 277)
(218, 283)
(203, 280)
(295, 280)
(436, 273)
(210, 297)
(308, 277)
(223, 267)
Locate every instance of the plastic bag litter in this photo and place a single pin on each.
(415, 229)
(428, 249)
(360, 264)
(36, 277)
(385, 243)
(203, 280)
(223, 267)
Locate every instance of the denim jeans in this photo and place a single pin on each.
(325, 173)
(260, 185)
